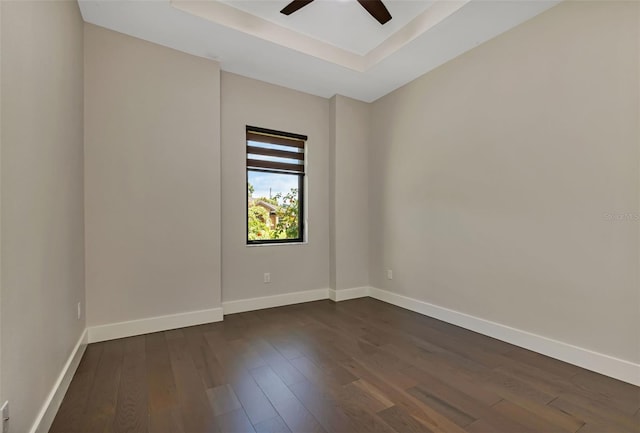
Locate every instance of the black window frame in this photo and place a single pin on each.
(301, 195)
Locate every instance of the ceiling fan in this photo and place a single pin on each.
(376, 8)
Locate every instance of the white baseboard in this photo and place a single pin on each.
(598, 362)
(54, 399)
(252, 304)
(153, 324)
(346, 294)
(162, 323)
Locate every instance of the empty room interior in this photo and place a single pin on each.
(329, 216)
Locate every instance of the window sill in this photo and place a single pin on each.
(280, 244)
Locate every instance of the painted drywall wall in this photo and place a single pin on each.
(293, 268)
(42, 228)
(1, 393)
(505, 183)
(152, 179)
(349, 180)
(332, 188)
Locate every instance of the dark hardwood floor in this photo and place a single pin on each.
(355, 366)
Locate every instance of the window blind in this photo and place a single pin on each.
(274, 151)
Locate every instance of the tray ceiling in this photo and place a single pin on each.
(328, 47)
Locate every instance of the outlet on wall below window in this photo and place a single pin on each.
(79, 310)
(267, 277)
(389, 274)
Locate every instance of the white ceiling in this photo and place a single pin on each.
(328, 47)
(342, 23)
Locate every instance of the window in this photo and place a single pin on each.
(275, 186)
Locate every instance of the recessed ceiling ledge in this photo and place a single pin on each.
(228, 16)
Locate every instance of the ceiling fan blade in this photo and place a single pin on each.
(294, 6)
(377, 9)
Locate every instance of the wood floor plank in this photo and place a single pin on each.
(285, 346)
(250, 395)
(480, 426)
(509, 387)
(250, 358)
(402, 422)
(326, 376)
(564, 420)
(580, 384)
(223, 399)
(355, 366)
(272, 386)
(462, 409)
(131, 414)
(195, 409)
(101, 404)
(272, 425)
(427, 415)
(551, 365)
(253, 400)
(167, 421)
(327, 391)
(297, 417)
(518, 414)
(368, 394)
(421, 367)
(392, 368)
(324, 409)
(623, 396)
(161, 384)
(226, 358)
(592, 427)
(593, 412)
(455, 414)
(235, 421)
(208, 366)
(163, 403)
(363, 418)
(280, 365)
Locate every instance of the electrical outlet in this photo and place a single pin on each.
(4, 427)
(267, 277)
(389, 274)
(79, 310)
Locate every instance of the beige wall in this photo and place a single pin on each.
(350, 129)
(494, 175)
(42, 212)
(1, 34)
(293, 267)
(152, 179)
